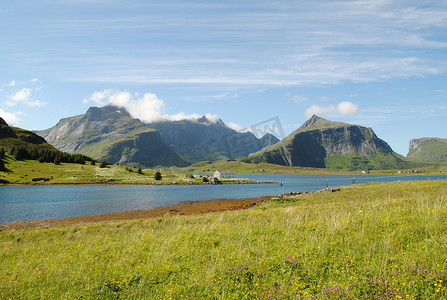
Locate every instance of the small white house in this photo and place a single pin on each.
(224, 174)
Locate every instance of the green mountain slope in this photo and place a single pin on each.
(13, 137)
(111, 134)
(431, 150)
(324, 144)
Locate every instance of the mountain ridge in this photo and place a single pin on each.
(326, 144)
(110, 133)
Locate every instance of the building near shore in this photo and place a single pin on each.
(223, 174)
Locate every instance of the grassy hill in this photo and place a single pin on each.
(372, 241)
(429, 150)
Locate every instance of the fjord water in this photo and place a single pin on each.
(20, 203)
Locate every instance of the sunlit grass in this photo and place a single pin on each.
(372, 241)
(23, 171)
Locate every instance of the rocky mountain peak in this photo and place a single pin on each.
(99, 114)
(207, 121)
(313, 121)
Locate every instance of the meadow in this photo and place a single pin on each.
(23, 172)
(371, 241)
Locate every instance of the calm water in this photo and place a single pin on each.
(19, 203)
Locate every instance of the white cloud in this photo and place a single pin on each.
(12, 83)
(236, 127)
(24, 96)
(148, 107)
(319, 110)
(344, 108)
(347, 108)
(10, 118)
(98, 97)
(34, 80)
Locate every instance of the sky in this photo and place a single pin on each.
(379, 63)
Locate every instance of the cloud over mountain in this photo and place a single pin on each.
(147, 107)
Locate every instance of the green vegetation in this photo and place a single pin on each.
(23, 171)
(240, 167)
(372, 241)
(429, 150)
(157, 176)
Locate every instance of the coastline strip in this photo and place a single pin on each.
(187, 208)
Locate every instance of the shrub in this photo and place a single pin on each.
(103, 164)
(140, 171)
(57, 160)
(157, 176)
(20, 153)
(2, 152)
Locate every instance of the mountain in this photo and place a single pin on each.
(16, 137)
(433, 150)
(110, 133)
(325, 144)
(203, 139)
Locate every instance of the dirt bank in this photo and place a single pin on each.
(188, 208)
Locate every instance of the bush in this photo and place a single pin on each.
(93, 162)
(21, 153)
(157, 176)
(103, 164)
(2, 152)
(205, 179)
(57, 160)
(140, 171)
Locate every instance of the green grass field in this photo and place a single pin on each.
(372, 241)
(23, 171)
(266, 168)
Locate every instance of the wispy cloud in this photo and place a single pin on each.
(258, 43)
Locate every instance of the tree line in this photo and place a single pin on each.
(45, 155)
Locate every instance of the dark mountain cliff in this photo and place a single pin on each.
(204, 139)
(324, 144)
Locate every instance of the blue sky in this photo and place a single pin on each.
(379, 63)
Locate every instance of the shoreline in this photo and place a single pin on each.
(186, 208)
(121, 183)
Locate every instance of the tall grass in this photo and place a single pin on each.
(372, 241)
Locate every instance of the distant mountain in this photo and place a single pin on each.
(325, 144)
(110, 133)
(204, 139)
(431, 150)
